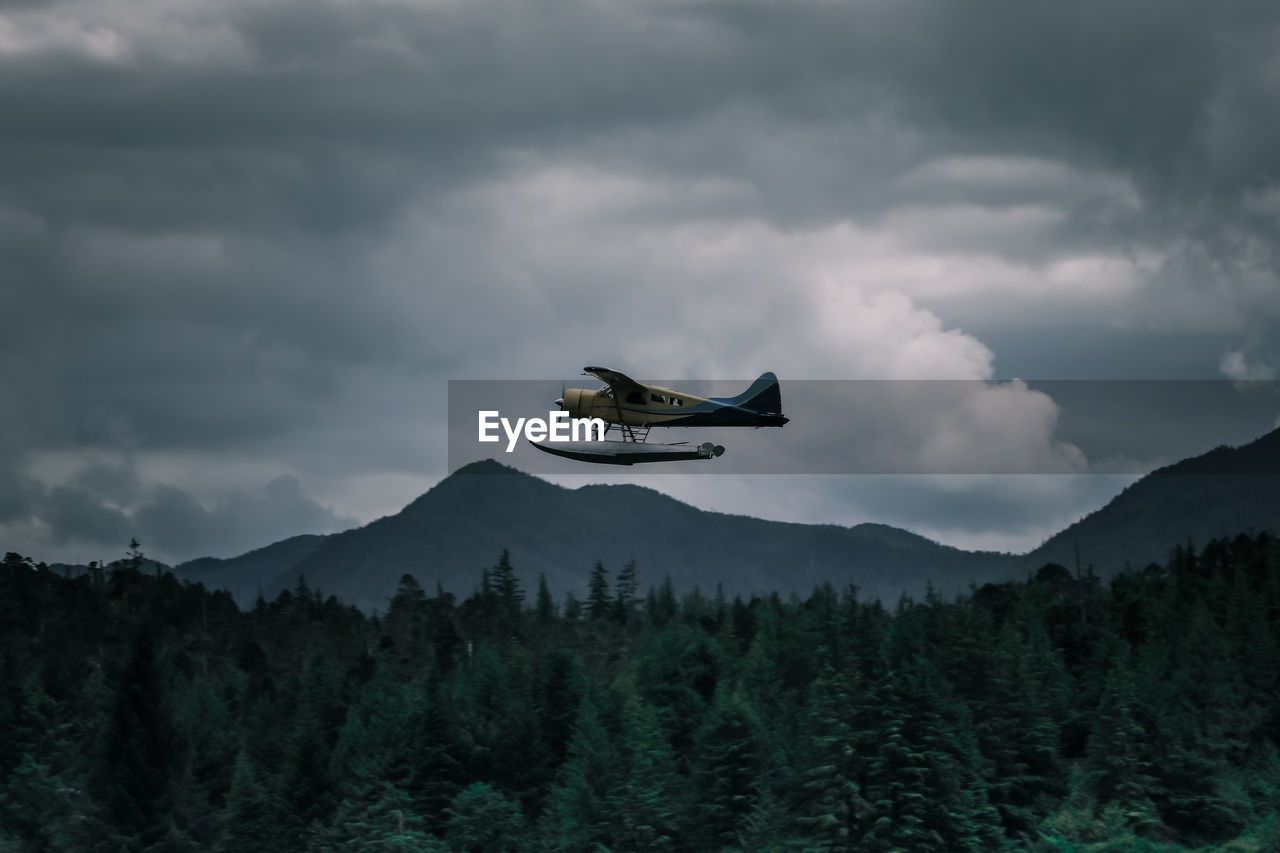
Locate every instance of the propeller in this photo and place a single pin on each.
(560, 399)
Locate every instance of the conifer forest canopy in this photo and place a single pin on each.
(1055, 714)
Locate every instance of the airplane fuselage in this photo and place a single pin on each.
(634, 407)
(653, 405)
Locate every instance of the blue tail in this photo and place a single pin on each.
(763, 396)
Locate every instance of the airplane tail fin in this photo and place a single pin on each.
(763, 396)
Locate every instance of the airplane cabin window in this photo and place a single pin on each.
(657, 398)
(635, 397)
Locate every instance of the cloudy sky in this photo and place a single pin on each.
(244, 246)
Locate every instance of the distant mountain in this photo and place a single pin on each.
(1220, 493)
(448, 535)
(250, 574)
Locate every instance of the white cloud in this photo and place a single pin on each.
(173, 33)
(1235, 365)
(687, 291)
(659, 273)
(37, 32)
(1021, 181)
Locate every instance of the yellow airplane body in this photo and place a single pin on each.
(629, 403)
(634, 407)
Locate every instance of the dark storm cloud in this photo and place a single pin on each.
(1163, 90)
(117, 482)
(76, 515)
(337, 111)
(326, 117)
(271, 231)
(175, 522)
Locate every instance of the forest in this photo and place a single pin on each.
(1055, 713)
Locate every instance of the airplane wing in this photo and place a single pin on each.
(620, 384)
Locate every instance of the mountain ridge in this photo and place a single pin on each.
(1224, 491)
(451, 532)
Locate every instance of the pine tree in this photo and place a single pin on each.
(482, 820)
(580, 818)
(39, 807)
(371, 767)
(925, 781)
(627, 587)
(1016, 731)
(507, 587)
(1207, 726)
(134, 554)
(572, 609)
(728, 766)
(307, 792)
(405, 623)
(646, 803)
(660, 604)
(598, 593)
(545, 608)
(136, 764)
(677, 672)
(830, 800)
(437, 771)
(382, 819)
(205, 746)
(897, 779)
(39, 770)
(1120, 755)
(557, 697)
(248, 813)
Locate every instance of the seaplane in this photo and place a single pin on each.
(633, 408)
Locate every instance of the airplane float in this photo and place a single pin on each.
(632, 408)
